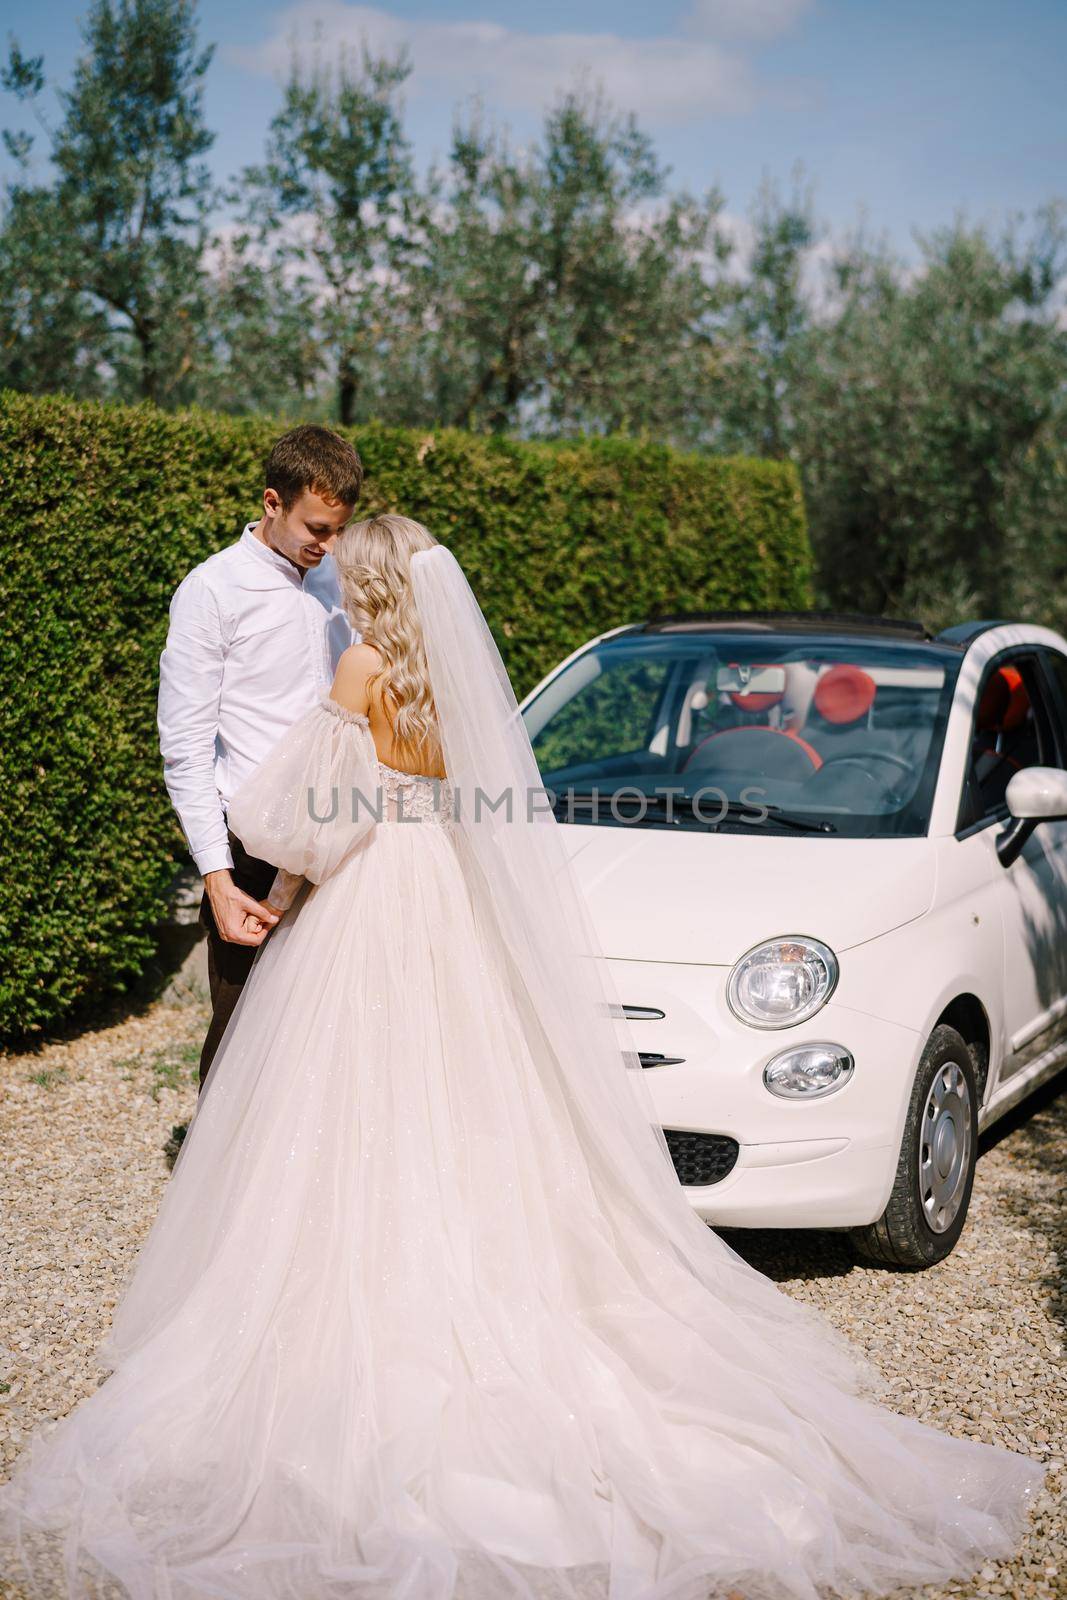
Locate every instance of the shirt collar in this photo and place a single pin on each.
(263, 552)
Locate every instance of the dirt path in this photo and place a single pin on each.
(974, 1346)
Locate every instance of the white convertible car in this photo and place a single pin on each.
(827, 858)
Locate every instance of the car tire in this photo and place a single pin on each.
(935, 1172)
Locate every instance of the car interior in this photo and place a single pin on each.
(813, 731)
(1013, 728)
(850, 735)
(1005, 735)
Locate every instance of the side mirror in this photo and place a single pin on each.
(1033, 795)
(1039, 793)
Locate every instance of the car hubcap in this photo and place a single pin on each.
(945, 1146)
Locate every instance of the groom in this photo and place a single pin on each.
(254, 639)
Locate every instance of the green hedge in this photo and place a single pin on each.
(107, 507)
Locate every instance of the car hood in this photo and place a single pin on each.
(691, 897)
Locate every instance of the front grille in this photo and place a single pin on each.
(700, 1158)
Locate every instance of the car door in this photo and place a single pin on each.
(1054, 664)
(1032, 892)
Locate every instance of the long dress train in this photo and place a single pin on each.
(400, 1332)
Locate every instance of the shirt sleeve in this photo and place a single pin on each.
(314, 796)
(190, 685)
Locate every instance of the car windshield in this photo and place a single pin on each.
(761, 732)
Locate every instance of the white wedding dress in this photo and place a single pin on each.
(405, 1326)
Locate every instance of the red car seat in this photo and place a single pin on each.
(755, 747)
(839, 709)
(1004, 738)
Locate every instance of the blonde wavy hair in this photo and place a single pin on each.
(373, 560)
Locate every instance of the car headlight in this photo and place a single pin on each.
(782, 982)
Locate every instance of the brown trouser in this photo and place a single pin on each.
(229, 964)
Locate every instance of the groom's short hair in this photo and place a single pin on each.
(315, 458)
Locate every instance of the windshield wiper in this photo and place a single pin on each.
(787, 819)
(657, 805)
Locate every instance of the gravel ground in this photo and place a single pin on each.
(972, 1345)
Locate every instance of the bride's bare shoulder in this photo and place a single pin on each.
(355, 665)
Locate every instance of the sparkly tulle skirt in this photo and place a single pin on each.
(395, 1334)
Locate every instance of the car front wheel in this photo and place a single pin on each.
(935, 1173)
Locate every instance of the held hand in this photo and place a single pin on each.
(239, 918)
(265, 917)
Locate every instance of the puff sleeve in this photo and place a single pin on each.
(284, 890)
(313, 797)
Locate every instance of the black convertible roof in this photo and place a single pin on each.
(776, 621)
(844, 622)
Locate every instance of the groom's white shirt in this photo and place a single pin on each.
(252, 644)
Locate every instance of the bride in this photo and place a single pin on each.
(424, 1313)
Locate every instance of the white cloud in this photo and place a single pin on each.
(668, 78)
(745, 19)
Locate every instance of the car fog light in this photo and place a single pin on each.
(808, 1071)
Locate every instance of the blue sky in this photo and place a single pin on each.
(907, 111)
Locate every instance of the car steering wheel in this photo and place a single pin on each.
(900, 762)
(870, 755)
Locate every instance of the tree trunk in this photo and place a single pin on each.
(149, 375)
(347, 389)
